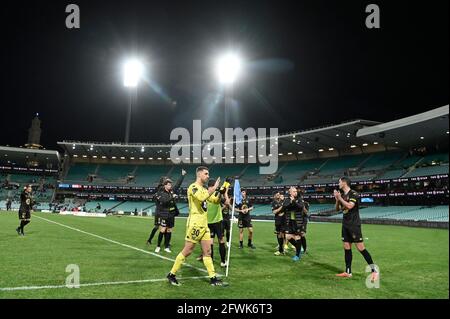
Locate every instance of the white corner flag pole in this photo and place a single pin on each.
(231, 238)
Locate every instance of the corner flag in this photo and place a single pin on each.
(237, 192)
(237, 201)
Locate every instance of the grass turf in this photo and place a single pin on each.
(413, 262)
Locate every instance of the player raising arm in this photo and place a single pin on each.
(197, 230)
(215, 218)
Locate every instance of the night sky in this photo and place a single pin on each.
(308, 63)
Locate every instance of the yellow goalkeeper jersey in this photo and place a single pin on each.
(198, 206)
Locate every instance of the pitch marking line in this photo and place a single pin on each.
(120, 244)
(253, 220)
(108, 283)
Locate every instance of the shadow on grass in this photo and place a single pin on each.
(326, 266)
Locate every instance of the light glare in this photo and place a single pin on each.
(133, 70)
(228, 68)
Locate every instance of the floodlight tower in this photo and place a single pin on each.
(132, 73)
(228, 69)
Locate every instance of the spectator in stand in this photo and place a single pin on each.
(8, 204)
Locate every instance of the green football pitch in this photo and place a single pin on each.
(115, 262)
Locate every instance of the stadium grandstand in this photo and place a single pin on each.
(400, 176)
(28, 166)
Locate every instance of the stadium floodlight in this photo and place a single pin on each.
(228, 68)
(133, 70)
(132, 73)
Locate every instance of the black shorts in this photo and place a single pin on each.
(216, 229)
(24, 215)
(157, 220)
(168, 222)
(280, 226)
(293, 228)
(244, 223)
(226, 225)
(303, 228)
(352, 234)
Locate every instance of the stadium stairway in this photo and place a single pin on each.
(427, 170)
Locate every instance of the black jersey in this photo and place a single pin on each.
(305, 212)
(275, 205)
(294, 209)
(165, 202)
(226, 214)
(26, 202)
(351, 216)
(246, 203)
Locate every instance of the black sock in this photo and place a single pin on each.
(298, 248)
(212, 251)
(368, 259)
(348, 261)
(249, 242)
(160, 237)
(303, 240)
(170, 238)
(228, 236)
(297, 245)
(280, 245)
(22, 225)
(152, 234)
(167, 237)
(241, 243)
(222, 252)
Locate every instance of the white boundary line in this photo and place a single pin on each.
(95, 284)
(253, 220)
(120, 244)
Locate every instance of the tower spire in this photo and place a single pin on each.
(34, 133)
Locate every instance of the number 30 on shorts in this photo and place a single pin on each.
(195, 232)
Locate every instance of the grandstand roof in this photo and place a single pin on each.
(25, 157)
(428, 128)
(307, 141)
(340, 139)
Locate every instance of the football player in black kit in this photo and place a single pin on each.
(157, 221)
(280, 222)
(294, 209)
(347, 202)
(26, 205)
(245, 220)
(303, 223)
(167, 210)
(226, 221)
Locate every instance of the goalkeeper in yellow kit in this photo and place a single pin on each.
(197, 230)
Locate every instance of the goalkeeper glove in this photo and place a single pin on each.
(224, 187)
